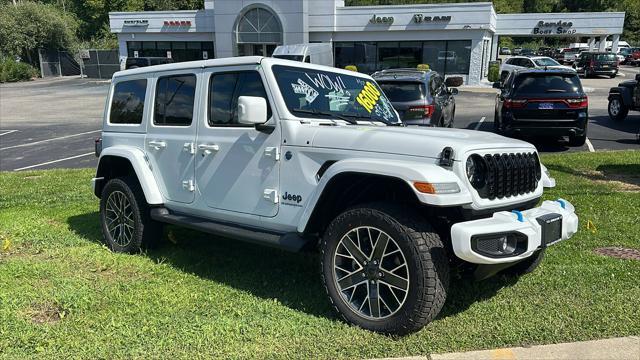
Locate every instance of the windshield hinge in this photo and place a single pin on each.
(272, 152)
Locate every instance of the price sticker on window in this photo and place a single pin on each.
(368, 97)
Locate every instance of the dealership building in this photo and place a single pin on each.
(457, 39)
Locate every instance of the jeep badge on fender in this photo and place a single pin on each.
(374, 191)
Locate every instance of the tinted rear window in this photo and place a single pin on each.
(546, 83)
(605, 57)
(175, 96)
(398, 91)
(127, 105)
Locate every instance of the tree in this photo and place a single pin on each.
(27, 27)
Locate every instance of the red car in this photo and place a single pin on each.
(633, 58)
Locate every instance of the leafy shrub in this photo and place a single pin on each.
(454, 81)
(11, 70)
(494, 71)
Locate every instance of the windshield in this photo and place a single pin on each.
(546, 83)
(546, 62)
(606, 57)
(310, 91)
(289, 57)
(400, 91)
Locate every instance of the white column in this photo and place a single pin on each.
(614, 44)
(603, 43)
(494, 48)
(208, 4)
(592, 43)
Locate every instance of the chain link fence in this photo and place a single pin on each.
(55, 63)
(100, 64)
(94, 63)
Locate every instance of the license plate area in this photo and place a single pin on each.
(545, 106)
(551, 225)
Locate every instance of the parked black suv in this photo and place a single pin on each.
(543, 102)
(597, 63)
(420, 97)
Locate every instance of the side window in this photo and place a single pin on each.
(435, 86)
(175, 96)
(127, 105)
(224, 91)
(510, 61)
(307, 59)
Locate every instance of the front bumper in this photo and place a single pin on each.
(524, 225)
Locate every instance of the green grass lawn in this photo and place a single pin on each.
(62, 293)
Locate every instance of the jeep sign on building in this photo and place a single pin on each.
(454, 39)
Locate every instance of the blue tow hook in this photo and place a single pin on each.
(519, 214)
(563, 204)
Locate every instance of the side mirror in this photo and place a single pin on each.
(252, 110)
(497, 85)
(453, 91)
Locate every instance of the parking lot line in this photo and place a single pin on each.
(480, 123)
(52, 139)
(7, 132)
(53, 161)
(590, 145)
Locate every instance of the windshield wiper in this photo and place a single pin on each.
(326, 113)
(369, 118)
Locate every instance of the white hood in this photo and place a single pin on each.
(414, 141)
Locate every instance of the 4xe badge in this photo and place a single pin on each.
(290, 199)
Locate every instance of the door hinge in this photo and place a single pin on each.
(271, 195)
(272, 152)
(189, 147)
(189, 185)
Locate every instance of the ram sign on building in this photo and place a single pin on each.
(454, 39)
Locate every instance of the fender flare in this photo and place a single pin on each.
(622, 92)
(145, 177)
(407, 171)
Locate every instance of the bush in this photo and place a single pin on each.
(11, 70)
(494, 71)
(454, 81)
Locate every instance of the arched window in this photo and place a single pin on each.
(259, 25)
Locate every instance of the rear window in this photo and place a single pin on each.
(547, 83)
(605, 57)
(399, 91)
(127, 104)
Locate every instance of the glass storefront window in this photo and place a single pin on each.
(180, 50)
(458, 56)
(409, 54)
(445, 57)
(431, 51)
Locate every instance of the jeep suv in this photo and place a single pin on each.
(301, 156)
(543, 103)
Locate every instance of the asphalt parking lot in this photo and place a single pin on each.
(52, 123)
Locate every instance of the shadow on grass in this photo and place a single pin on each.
(291, 278)
(627, 174)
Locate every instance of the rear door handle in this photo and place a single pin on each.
(208, 148)
(156, 144)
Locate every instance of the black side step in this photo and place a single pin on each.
(286, 241)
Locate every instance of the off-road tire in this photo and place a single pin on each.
(146, 232)
(578, 140)
(425, 254)
(525, 266)
(622, 112)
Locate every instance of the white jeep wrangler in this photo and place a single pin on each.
(296, 155)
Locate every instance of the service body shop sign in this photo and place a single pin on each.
(554, 28)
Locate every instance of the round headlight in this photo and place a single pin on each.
(471, 168)
(476, 171)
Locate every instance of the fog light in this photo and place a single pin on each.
(499, 245)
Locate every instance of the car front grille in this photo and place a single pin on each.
(510, 175)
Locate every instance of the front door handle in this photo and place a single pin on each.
(157, 144)
(208, 148)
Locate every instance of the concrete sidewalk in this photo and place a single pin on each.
(626, 348)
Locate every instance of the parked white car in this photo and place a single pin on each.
(301, 156)
(528, 62)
